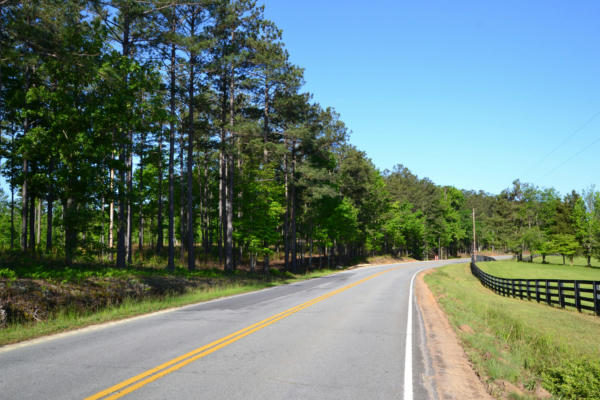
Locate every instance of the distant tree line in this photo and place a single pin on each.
(179, 129)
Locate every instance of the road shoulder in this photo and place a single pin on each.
(454, 378)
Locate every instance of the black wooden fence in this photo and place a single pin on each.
(582, 295)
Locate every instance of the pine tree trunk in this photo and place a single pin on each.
(310, 254)
(141, 188)
(205, 205)
(151, 224)
(111, 214)
(266, 260)
(102, 237)
(12, 216)
(229, 217)
(182, 205)
(190, 157)
(266, 125)
(159, 213)
(239, 198)
(69, 215)
(24, 206)
(121, 221)
(266, 159)
(38, 221)
(24, 187)
(222, 220)
(222, 195)
(124, 221)
(32, 223)
(171, 233)
(286, 219)
(293, 208)
(49, 214)
(230, 174)
(12, 192)
(129, 234)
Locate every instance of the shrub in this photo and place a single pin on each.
(574, 379)
(6, 273)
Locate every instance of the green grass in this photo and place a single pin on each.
(65, 321)
(537, 270)
(577, 261)
(525, 343)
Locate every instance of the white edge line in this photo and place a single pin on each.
(408, 383)
(408, 362)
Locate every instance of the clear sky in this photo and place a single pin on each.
(472, 94)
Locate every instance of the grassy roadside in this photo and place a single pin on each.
(70, 320)
(522, 350)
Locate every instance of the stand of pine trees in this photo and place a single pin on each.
(179, 129)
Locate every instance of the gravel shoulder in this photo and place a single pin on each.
(454, 378)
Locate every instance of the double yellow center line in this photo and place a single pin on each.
(127, 386)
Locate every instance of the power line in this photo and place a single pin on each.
(572, 157)
(569, 137)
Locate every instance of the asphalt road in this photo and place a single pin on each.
(338, 337)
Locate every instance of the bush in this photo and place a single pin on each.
(6, 273)
(574, 379)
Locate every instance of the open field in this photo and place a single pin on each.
(577, 261)
(537, 270)
(519, 347)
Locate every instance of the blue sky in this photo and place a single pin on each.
(472, 94)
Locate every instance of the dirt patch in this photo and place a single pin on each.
(541, 393)
(454, 377)
(508, 388)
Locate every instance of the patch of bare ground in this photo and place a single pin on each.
(454, 378)
(383, 260)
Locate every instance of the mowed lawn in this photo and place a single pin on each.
(536, 270)
(519, 347)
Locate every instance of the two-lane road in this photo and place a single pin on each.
(339, 337)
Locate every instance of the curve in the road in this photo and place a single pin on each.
(123, 388)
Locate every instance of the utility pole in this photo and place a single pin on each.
(474, 239)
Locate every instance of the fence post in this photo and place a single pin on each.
(537, 290)
(561, 299)
(548, 298)
(497, 285)
(597, 298)
(512, 281)
(521, 289)
(576, 293)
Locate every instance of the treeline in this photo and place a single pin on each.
(540, 221)
(180, 129)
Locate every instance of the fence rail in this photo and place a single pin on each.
(582, 295)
